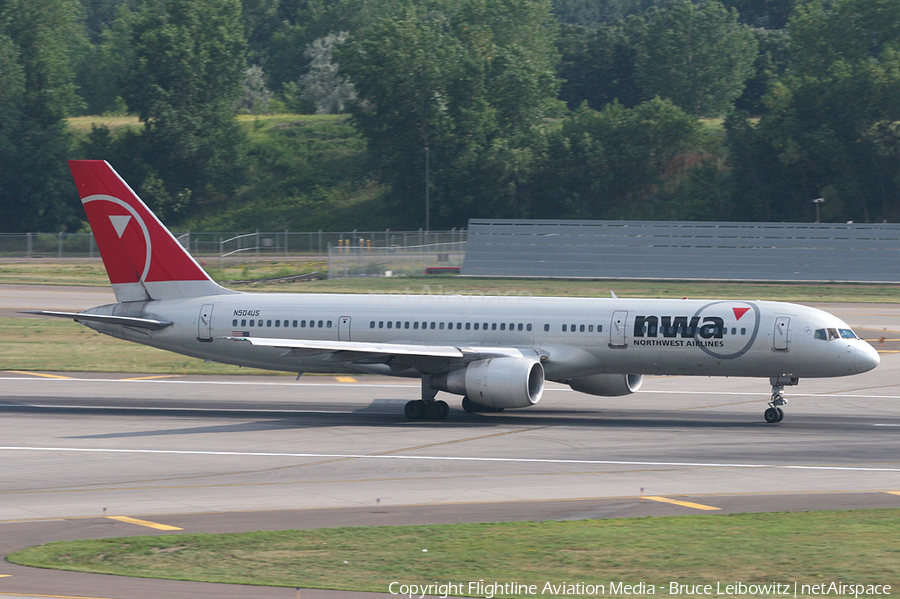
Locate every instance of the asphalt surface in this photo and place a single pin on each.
(225, 454)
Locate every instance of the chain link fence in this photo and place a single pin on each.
(232, 246)
(415, 260)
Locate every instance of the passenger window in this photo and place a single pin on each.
(372, 325)
(528, 326)
(234, 322)
(458, 326)
(565, 328)
(573, 328)
(277, 323)
(320, 324)
(468, 325)
(416, 324)
(520, 326)
(599, 328)
(295, 324)
(390, 324)
(432, 326)
(268, 323)
(546, 328)
(441, 326)
(406, 325)
(581, 328)
(244, 322)
(502, 326)
(302, 324)
(476, 326)
(590, 328)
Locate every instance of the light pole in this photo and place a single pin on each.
(818, 202)
(427, 191)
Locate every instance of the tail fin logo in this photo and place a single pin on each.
(142, 257)
(120, 224)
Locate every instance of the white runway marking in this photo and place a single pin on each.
(405, 386)
(451, 459)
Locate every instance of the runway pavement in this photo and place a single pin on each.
(248, 453)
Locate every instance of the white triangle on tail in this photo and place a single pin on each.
(119, 222)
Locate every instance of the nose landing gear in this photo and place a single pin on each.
(774, 413)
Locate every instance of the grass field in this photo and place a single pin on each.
(854, 547)
(92, 273)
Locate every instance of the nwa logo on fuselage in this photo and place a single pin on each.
(723, 329)
(685, 327)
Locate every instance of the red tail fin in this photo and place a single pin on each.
(142, 258)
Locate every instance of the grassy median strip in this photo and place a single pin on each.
(853, 547)
(51, 344)
(92, 273)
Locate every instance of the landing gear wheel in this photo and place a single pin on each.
(470, 406)
(433, 411)
(774, 413)
(445, 409)
(414, 410)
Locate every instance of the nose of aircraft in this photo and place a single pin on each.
(865, 358)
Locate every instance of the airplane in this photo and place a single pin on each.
(494, 351)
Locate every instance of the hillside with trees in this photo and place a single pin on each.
(309, 114)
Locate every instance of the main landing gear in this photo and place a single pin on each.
(774, 413)
(421, 409)
(427, 408)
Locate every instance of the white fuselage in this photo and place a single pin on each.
(573, 337)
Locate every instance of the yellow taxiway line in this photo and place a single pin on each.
(146, 523)
(696, 506)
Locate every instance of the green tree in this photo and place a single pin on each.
(832, 117)
(447, 92)
(610, 163)
(189, 62)
(36, 92)
(697, 56)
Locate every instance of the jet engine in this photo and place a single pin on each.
(609, 385)
(496, 382)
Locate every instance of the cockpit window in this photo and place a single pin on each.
(831, 334)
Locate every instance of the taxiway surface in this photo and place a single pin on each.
(248, 453)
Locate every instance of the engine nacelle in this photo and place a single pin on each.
(496, 382)
(608, 385)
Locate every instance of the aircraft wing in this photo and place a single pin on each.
(360, 349)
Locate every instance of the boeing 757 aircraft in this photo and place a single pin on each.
(496, 352)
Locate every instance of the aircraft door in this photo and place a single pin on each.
(204, 323)
(344, 328)
(780, 336)
(617, 328)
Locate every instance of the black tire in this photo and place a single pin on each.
(470, 406)
(414, 410)
(445, 409)
(771, 415)
(780, 414)
(433, 410)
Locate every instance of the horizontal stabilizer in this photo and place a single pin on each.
(128, 321)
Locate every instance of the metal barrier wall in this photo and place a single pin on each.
(684, 250)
